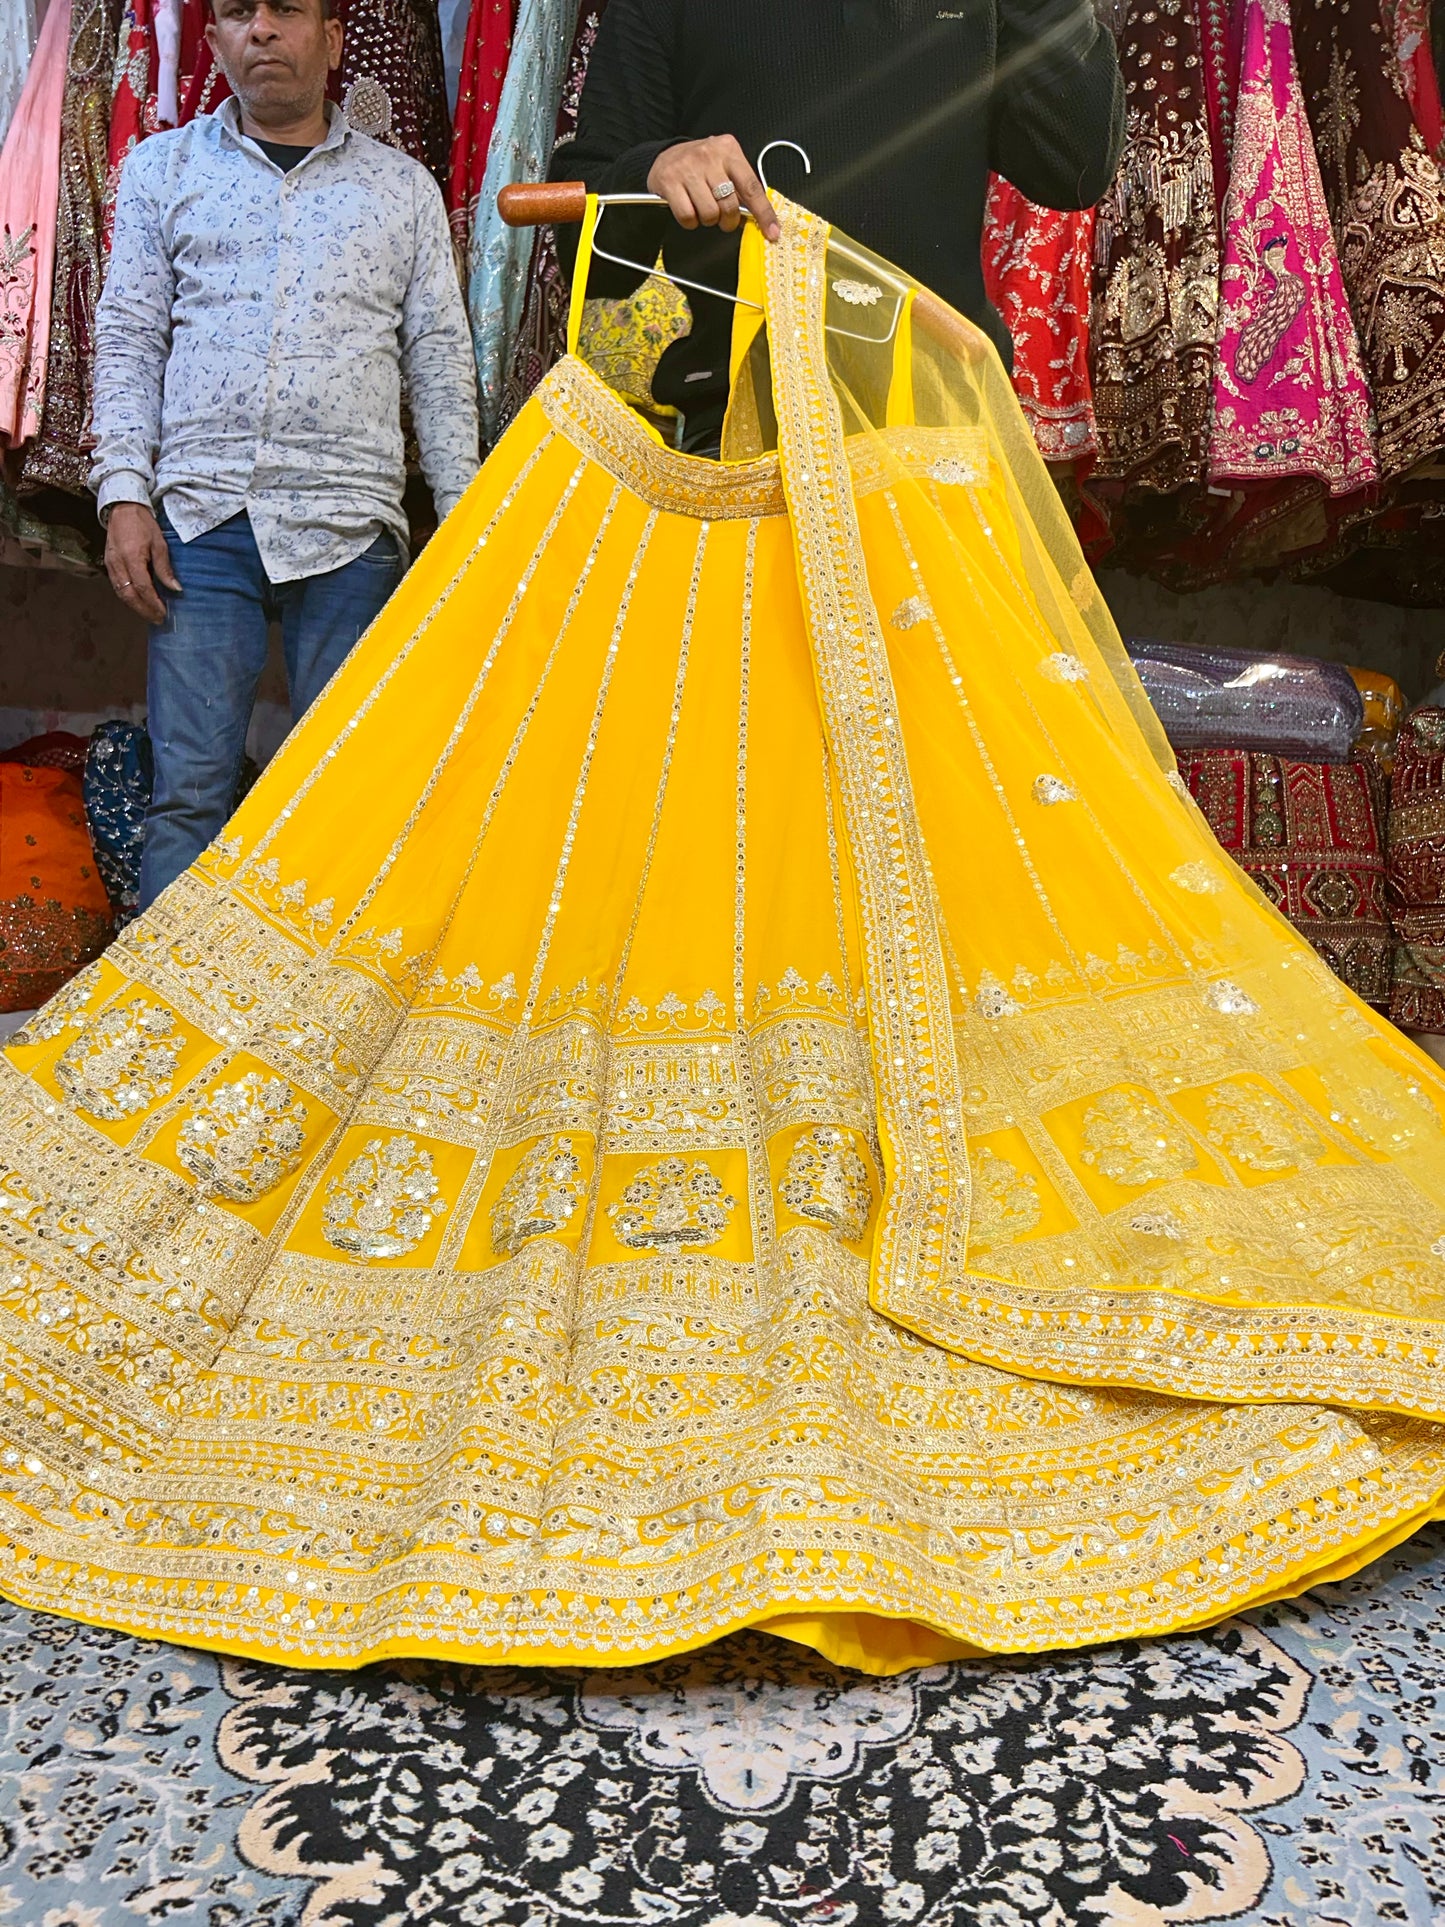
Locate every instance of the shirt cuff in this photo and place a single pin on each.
(121, 485)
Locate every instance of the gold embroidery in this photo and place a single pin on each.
(383, 1204)
(923, 1228)
(1053, 789)
(539, 1198)
(674, 1205)
(123, 1062)
(1006, 1200)
(243, 1138)
(1258, 1129)
(1131, 1140)
(827, 1181)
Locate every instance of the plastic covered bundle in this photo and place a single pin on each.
(1290, 706)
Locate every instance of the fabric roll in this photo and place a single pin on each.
(498, 256)
(484, 68)
(1036, 270)
(1387, 202)
(1310, 836)
(17, 42)
(1290, 396)
(1417, 873)
(59, 456)
(29, 201)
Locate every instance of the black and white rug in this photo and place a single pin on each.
(1287, 1769)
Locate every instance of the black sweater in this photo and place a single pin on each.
(903, 106)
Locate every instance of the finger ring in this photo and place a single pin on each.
(724, 189)
(125, 582)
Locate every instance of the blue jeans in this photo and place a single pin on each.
(206, 661)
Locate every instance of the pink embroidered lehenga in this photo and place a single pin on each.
(1290, 395)
(29, 199)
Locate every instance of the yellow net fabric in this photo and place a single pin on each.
(715, 1081)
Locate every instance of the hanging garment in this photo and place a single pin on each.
(54, 916)
(133, 112)
(541, 337)
(29, 199)
(203, 86)
(1036, 271)
(17, 41)
(1156, 263)
(718, 1080)
(1388, 205)
(1219, 49)
(59, 456)
(1290, 396)
(1311, 836)
(484, 67)
(1409, 25)
(498, 256)
(392, 81)
(118, 781)
(1417, 872)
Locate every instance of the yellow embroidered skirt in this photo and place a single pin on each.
(716, 1081)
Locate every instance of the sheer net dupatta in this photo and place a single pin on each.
(1133, 1131)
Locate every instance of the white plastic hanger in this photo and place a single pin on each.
(604, 201)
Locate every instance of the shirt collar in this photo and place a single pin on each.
(228, 117)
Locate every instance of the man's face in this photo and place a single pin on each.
(276, 54)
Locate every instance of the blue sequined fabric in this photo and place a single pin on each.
(1209, 698)
(119, 775)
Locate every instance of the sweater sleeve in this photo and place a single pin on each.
(1057, 120)
(627, 116)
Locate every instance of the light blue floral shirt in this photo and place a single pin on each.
(254, 332)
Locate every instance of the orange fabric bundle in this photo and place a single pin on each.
(1384, 713)
(54, 913)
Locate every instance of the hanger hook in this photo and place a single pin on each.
(807, 164)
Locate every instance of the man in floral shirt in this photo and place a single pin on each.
(274, 276)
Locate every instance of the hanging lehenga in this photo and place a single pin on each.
(718, 1081)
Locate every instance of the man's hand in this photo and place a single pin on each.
(134, 546)
(689, 175)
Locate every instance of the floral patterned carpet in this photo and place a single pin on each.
(1287, 1769)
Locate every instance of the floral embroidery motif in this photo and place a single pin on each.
(910, 612)
(122, 1063)
(1229, 999)
(1053, 789)
(1064, 668)
(244, 1137)
(1006, 1201)
(858, 294)
(1130, 1139)
(956, 471)
(65, 1011)
(1258, 1129)
(827, 1181)
(676, 1204)
(1200, 879)
(385, 1201)
(1157, 1224)
(540, 1197)
(993, 998)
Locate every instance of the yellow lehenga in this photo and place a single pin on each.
(718, 1080)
